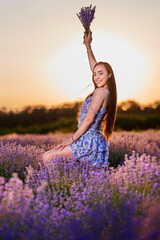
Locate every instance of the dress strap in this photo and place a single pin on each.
(93, 110)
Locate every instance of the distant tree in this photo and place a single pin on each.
(158, 107)
(129, 106)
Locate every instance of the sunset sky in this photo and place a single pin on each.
(43, 60)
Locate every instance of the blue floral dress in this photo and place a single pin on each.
(91, 146)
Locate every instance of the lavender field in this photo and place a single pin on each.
(67, 200)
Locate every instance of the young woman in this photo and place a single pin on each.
(98, 113)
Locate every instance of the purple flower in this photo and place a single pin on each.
(86, 15)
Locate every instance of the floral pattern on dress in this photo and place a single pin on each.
(92, 145)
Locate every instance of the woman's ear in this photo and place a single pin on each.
(110, 75)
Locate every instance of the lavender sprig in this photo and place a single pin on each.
(86, 16)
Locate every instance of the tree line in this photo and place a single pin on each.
(130, 115)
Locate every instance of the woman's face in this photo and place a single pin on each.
(101, 76)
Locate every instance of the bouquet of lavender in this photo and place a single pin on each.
(86, 15)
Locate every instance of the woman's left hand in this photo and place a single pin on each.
(87, 39)
(62, 145)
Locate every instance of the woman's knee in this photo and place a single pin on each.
(46, 156)
(66, 152)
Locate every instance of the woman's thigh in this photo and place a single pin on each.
(66, 152)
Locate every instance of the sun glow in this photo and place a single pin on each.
(69, 70)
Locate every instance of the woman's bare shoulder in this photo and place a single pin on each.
(101, 91)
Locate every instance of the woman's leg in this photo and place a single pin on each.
(66, 152)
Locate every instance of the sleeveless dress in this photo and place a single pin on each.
(91, 146)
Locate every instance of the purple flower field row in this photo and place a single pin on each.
(71, 200)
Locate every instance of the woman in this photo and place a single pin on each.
(98, 110)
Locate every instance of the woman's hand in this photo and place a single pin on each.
(87, 39)
(62, 145)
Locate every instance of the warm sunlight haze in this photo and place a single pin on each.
(43, 60)
(131, 67)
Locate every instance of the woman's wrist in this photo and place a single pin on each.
(88, 47)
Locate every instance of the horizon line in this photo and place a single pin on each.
(18, 109)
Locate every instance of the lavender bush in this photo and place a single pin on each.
(125, 142)
(72, 200)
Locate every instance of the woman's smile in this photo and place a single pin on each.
(99, 82)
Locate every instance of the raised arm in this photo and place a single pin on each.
(87, 42)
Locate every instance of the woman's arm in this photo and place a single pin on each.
(87, 42)
(97, 101)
